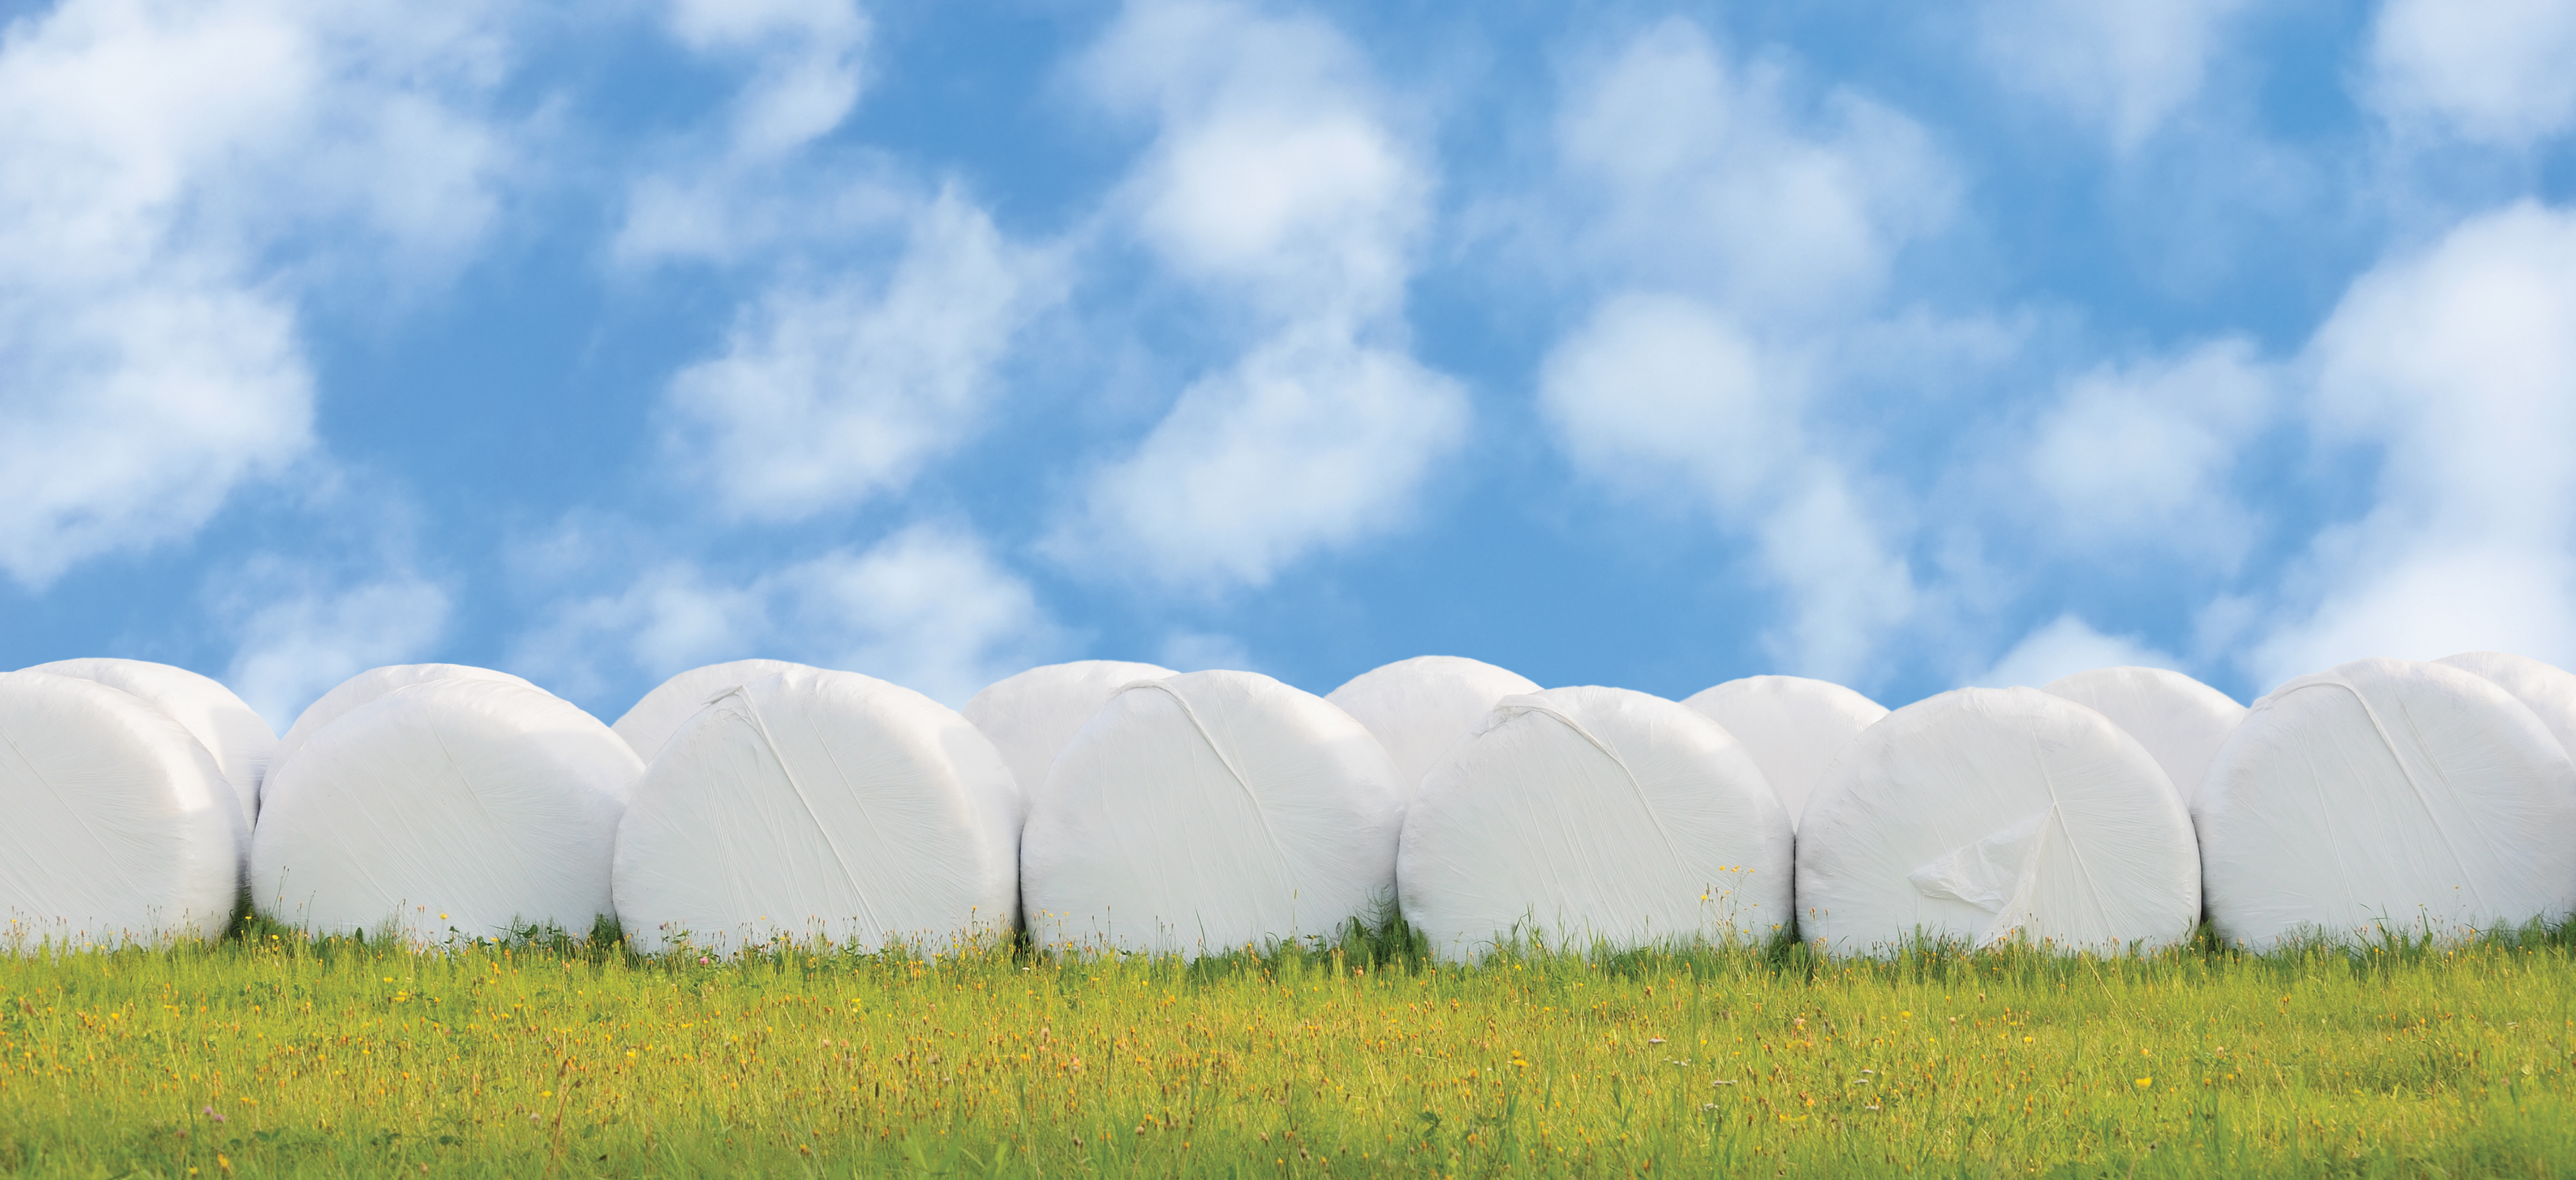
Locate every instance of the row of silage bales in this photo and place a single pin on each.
(121, 822)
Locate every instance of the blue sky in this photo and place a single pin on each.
(1626, 344)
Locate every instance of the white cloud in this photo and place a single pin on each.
(1664, 397)
(927, 608)
(1276, 183)
(1705, 175)
(1310, 442)
(2457, 366)
(2139, 458)
(2494, 71)
(2126, 67)
(161, 166)
(298, 633)
(2064, 647)
(826, 398)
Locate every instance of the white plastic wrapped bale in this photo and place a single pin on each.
(670, 705)
(1595, 816)
(120, 827)
(227, 727)
(1983, 814)
(2387, 797)
(1793, 727)
(357, 691)
(1420, 707)
(2546, 689)
(811, 805)
(459, 805)
(2178, 719)
(1031, 715)
(1209, 811)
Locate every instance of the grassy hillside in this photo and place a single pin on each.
(269, 1055)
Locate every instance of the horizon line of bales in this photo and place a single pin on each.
(1102, 805)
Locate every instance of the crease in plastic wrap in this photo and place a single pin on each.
(228, 728)
(1031, 715)
(2547, 690)
(120, 827)
(817, 805)
(661, 712)
(1591, 816)
(1419, 708)
(1793, 727)
(2387, 797)
(1984, 815)
(1205, 812)
(2180, 721)
(357, 691)
(451, 807)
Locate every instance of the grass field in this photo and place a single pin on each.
(266, 1054)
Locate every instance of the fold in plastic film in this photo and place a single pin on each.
(661, 712)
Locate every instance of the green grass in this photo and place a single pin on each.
(266, 1054)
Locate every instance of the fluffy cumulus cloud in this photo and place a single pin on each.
(2454, 366)
(2125, 68)
(1277, 184)
(2142, 459)
(161, 165)
(927, 608)
(2493, 71)
(1742, 233)
(2062, 647)
(828, 397)
(300, 630)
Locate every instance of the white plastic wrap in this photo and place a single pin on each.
(461, 805)
(1595, 816)
(671, 703)
(1204, 812)
(1420, 707)
(2545, 689)
(2387, 797)
(358, 690)
(229, 729)
(1983, 814)
(1792, 726)
(812, 805)
(1031, 715)
(2178, 719)
(120, 828)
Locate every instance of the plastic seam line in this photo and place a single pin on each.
(1634, 786)
(2430, 816)
(761, 725)
(2057, 819)
(1224, 760)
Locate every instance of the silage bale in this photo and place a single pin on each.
(1983, 815)
(1586, 817)
(229, 729)
(2180, 721)
(463, 807)
(2548, 691)
(2387, 797)
(1207, 812)
(1420, 707)
(356, 691)
(1793, 727)
(815, 805)
(119, 825)
(662, 712)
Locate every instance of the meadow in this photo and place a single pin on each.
(267, 1054)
